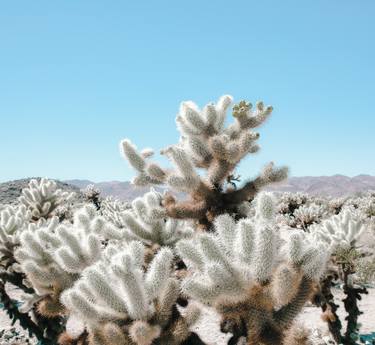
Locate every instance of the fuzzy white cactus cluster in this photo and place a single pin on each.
(306, 215)
(288, 202)
(43, 197)
(112, 210)
(299, 210)
(368, 205)
(207, 144)
(119, 273)
(91, 191)
(363, 207)
(58, 257)
(335, 205)
(117, 290)
(53, 255)
(341, 230)
(13, 220)
(37, 204)
(245, 253)
(203, 140)
(252, 277)
(147, 221)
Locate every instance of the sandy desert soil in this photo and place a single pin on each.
(208, 325)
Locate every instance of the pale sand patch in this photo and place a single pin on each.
(208, 327)
(209, 330)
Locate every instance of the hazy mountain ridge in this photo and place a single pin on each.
(10, 191)
(336, 185)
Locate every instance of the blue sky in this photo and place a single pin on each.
(78, 76)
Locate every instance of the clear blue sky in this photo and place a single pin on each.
(78, 76)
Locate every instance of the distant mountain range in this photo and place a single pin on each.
(334, 186)
(10, 191)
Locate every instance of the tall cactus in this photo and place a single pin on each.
(340, 233)
(207, 144)
(257, 283)
(122, 304)
(95, 275)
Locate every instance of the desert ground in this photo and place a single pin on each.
(209, 330)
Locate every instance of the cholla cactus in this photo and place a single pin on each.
(13, 273)
(341, 230)
(365, 208)
(36, 257)
(112, 210)
(368, 206)
(366, 271)
(117, 278)
(43, 197)
(289, 202)
(340, 233)
(148, 221)
(121, 304)
(306, 215)
(65, 213)
(368, 209)
(54, 256)
(92, 195)
(12, 221)
(255, 281)
(205, 143)
(335, 205)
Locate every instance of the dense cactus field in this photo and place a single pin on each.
(99, 271)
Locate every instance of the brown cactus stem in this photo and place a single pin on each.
(207, 202)
(238, 330)
(193, 339)
(285, 316)
(325, 300)
(52, 327)
(353, 295)
(262, 323)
